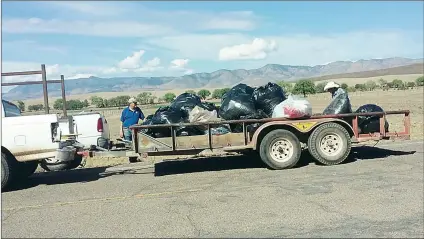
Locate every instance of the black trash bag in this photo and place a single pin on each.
(167, 115)
(220, 130)
(251, 129)
(370, 124)
(237, 89)
(147, 121)
(209, 106)
(238, 127)
(268, 96)
(186, 102)
(339, 105)
(238, 102)
(189, 131)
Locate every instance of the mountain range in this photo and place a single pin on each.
(219, 78)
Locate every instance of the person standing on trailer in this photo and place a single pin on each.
(334, 89)
(130, 116)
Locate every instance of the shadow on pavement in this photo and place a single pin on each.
(368, 152)
(215, 163)
(253, 161)
(82, 175)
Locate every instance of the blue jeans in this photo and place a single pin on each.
(127, 134)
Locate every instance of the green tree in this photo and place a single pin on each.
(319, 88)
(144, 98)
(74, 104)
(398, 84)
(351, 89)
(58, 104)
(98, 101)
(218, 93)
(304, 87)
(203, 93)
(86, 104)
(36, 107)
(360, 87)
(168, 97)
(344, 86)
(191, 92)
(287, 87)
(382, 82)
(370, 85)
(420, 81)
(410, 84)
(21, 105)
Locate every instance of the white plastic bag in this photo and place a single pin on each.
(292, 108)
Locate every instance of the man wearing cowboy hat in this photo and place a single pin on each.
(334, 89)
(130, 116)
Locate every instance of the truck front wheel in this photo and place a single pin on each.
(8, 169)
(280, 149)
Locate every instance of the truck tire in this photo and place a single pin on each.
(329, 144)
(8, 167)
(61, 166)
(280, 149)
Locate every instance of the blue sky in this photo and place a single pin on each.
(106, 39)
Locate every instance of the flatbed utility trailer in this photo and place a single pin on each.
(277, 140)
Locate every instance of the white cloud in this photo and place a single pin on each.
(133, 61)
(197, 46)
(256, 50)
(179, 63)
(79, 27)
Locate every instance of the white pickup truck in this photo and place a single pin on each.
(30, 140)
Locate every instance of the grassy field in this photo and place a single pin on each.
(160, 93)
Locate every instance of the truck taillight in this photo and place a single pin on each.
(100, 125)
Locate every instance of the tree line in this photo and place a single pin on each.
(303, 87)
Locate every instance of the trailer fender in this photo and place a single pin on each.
(301, 128)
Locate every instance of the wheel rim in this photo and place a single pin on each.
(331, 144)
(282, 150)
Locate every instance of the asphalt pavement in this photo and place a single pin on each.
(377, 193)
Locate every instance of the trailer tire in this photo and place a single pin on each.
(329, 144)
(280, 149)
(8, 169)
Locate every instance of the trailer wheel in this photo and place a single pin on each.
(8, 167)
(280, 149)
(329, 144)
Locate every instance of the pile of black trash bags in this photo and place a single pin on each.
(243, 102)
